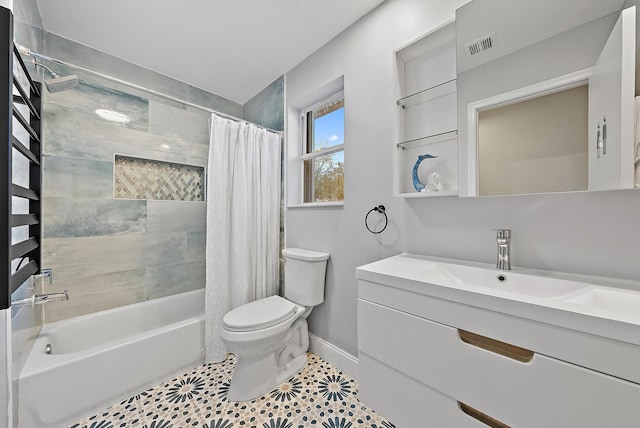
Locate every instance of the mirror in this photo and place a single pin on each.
(534, 114)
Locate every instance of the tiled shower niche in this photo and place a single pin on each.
(136, 178)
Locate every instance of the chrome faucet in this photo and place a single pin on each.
(39, 299)
(504, 242)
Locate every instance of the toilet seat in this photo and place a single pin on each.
(259, 314)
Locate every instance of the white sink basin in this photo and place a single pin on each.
(603, 306)
(574, 292)
(510, 281)
(608, 299)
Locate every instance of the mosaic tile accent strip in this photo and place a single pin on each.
(318, 396)
(137, 178)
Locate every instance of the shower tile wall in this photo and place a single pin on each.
(111, 252)
(267, 109)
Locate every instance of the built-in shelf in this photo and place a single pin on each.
(427, 116)
(429, 139)
(416, 195)
(428, 94)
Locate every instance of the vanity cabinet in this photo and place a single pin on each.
(429, 361)
(426, 101)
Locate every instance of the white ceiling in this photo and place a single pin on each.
(233, 48)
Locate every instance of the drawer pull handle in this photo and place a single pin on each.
(492, 345)
(484, 418)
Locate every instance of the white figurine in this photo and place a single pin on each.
(434, 184)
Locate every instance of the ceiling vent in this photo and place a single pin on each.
(482, 44)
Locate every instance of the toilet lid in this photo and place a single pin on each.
(259, 314)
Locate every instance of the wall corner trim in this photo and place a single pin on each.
(340, 359)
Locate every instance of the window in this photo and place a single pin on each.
(323, 151)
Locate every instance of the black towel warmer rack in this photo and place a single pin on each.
(12, 94)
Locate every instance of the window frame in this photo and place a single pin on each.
(306, 125)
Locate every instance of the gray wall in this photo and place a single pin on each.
(363, 54)
(591, 233)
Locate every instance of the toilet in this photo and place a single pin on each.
(270, 336)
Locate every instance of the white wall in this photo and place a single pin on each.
(364, 55)
(592, 233)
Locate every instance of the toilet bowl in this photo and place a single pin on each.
(270, 336)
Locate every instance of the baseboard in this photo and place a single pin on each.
(340, 359)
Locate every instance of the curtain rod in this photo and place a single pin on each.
(28, 52)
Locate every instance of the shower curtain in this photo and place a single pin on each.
(243, 222)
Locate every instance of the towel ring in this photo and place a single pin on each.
(379, 209)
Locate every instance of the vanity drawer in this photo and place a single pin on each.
(407, 402)
(540, 392)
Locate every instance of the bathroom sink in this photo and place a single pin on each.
(604, 306)
(608, 299)
(509, 281)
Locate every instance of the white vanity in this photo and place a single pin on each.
(447, 343)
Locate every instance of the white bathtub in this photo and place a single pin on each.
(103, 358)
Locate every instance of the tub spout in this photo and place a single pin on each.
(39, 299)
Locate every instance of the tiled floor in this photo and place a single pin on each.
(319, 396)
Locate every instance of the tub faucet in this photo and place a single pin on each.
(504, 241)
(39, 299)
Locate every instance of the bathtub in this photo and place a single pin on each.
(103, 358)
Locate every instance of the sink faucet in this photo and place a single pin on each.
(504, 241)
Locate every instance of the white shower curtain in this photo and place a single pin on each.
(243, 222)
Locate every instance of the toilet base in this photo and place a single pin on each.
(257, 372)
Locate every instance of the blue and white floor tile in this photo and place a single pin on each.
(319, 396)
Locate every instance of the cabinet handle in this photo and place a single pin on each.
(492, 345)
(482, 417)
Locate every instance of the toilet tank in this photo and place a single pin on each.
(304, 272)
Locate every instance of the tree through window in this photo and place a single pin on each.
(323, 151)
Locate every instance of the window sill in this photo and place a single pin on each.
(318, 205)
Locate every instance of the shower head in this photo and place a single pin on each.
(58, 83)
(61, 83)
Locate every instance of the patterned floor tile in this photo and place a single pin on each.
(318, 396)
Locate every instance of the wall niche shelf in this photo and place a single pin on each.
(428, 94)
(427, 114)
(429, 139)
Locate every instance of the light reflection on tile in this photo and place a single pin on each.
(86, 98)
